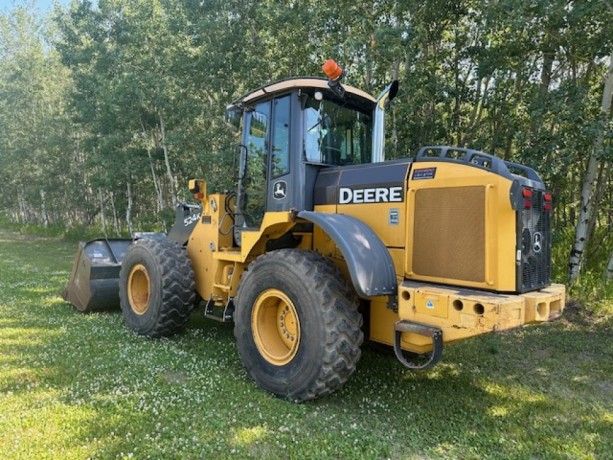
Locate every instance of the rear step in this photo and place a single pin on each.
(422, 329)
(224, 314)
(94, 281)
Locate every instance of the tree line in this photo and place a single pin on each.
(108, 107)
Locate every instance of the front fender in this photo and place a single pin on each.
(370, 264)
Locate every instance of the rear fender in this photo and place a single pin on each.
(369, 262)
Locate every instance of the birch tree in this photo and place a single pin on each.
(609, 273)
(32, 120)
(589, 179)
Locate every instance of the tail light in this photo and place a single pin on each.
(527, 194)
(547, 206)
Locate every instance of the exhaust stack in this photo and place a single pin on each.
(378, 135)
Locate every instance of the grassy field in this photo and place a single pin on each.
(81, 386)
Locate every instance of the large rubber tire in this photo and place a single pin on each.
(297, 325)
(156, 287)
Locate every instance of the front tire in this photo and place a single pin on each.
(297, 325)
(156, 287)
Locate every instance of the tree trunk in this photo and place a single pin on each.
(455, 120)
(156, 184)
(546, 71)
(24, 213)
(370, 63)
(129, 207)
(43, 209)
(477, 113)
(115, 218)
(609, 273)
(601, 185)
(586, 209)
(548, 59)
(171, 182)
(102, 213)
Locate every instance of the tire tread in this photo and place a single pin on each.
(177, 291)
(339, 308)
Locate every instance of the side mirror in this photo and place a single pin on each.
(258, 125)
(233, 116)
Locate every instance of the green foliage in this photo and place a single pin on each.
(109, 107)
(86, 233)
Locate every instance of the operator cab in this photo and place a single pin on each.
(289, 131)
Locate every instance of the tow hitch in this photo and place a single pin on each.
(428, 360)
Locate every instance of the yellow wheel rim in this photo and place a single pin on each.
(139, 288)
(276, 327)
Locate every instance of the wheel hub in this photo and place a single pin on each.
(276, 327)
(139, 288)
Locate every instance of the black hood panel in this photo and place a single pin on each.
(388, 175)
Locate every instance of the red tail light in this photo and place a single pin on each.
(547, 198)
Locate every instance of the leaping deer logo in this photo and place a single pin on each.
(280, 190)
(538, 242)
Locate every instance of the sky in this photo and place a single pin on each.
(42, 5)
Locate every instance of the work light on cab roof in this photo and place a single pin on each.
(335, 73)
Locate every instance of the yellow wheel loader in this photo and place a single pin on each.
(325, 243)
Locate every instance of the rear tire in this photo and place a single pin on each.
(156, 287)
(297, 325)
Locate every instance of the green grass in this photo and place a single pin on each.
(79, 386)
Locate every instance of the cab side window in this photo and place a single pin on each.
(280, 136)
(256, 177)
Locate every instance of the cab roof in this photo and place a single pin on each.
(299, 82)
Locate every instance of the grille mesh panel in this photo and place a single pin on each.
(449, 233)
(534, 240)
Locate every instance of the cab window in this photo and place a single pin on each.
(280, 137)
(254, 201)
(336, 134)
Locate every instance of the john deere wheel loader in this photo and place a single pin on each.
(324, 243)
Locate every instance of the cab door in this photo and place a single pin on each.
(255, 183)
(280, 186)
(265, 185)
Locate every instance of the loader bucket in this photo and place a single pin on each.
(94, 281)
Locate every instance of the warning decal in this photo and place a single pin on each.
(424, 173)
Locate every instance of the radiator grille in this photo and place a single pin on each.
(534, 241)
(449, 233)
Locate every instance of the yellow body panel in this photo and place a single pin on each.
(376, 216)
(217, 264)
(461, 220)
(211, 236)
(461, 313)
